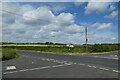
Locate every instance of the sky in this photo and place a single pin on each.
(60, 22)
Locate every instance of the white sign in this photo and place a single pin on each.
(68, 45)
(71, 46)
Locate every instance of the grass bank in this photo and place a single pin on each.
(0, 53)
(9, 53)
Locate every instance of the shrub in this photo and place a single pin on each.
(8, 53)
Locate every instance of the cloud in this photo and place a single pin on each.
(105, 37)
(57, 8)
(6, 8)
(113, 38)
(65, 19)
(112, 7)
(114, 14)
(102, 32)
(102, 26)
(58, 0)
(73, 29)
(78, 2)
(40, 24)
(39, 16)
(97, 7)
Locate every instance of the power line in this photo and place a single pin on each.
(21, 15)
(86, 32)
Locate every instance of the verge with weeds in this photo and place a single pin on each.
(9, 53)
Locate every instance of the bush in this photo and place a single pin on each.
(8, 53)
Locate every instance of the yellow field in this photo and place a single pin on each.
(31, 45)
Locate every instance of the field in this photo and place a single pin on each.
(9, 50)
(0, 53)
(64, 48)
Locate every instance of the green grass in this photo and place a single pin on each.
(0, 53)
(64, 49)
(55, 49)
(9, 53)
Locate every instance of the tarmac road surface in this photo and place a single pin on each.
(44, 65)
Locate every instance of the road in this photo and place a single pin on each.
(44, 65)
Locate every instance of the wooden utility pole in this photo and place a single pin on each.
(86, 38)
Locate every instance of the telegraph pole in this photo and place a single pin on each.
(86, 38)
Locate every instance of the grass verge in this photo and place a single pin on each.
(81, 49)
(9, 53)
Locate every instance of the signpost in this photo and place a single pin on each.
(70, 46)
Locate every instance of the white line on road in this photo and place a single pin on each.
(94, 66)
(74, 63)
(36, 68)
(58, 65)
(10, 72)
(104, 57)
(81, 64)
(116, 71)
(104, 69)
(89, 66)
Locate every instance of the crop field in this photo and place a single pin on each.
(66, 49)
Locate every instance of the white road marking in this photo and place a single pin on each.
(58, 65)
(114, 55)
(94, 66)
(81, 64)
(47, 59)
(10, 67)
(75, 63)
(116, 71)
(104, 69)
(10, 72)
(69, 64)
(36, 68)
(89, 66)
(104, 57)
